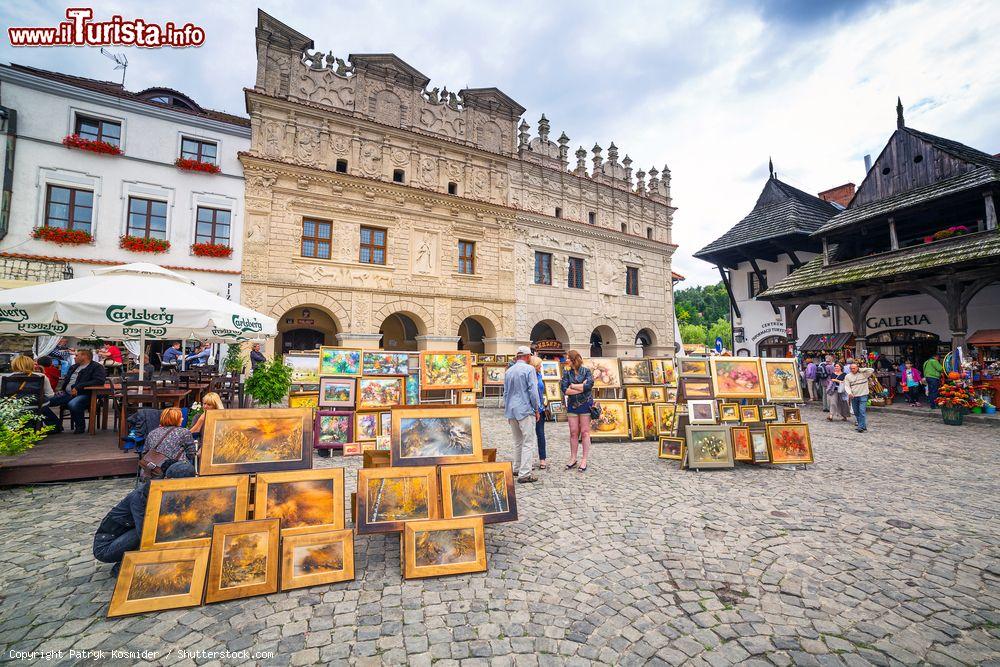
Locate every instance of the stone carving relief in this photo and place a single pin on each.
(260, 186)
(371, 160)
(442, 120)
(253, 296)
(273, 138)
(428, 171)
(424, 252)
(400, 157)
(607, 276)
(455, 170)
(489, 135)
(325, 88)
(386, 107)
(442, 317)
(307, 145)
(500, 187)
(481, 183)
(361, 311)
(341, 145)
(339, 276)
(506, 259)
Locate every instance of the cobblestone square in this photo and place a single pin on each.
(883, 552)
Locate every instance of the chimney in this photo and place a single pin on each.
(840, 195)
(868, 163)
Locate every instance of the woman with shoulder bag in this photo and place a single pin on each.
(536, 363)
(164, 445)
(837, 394)
(578, 385)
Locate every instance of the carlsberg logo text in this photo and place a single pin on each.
(13, 314)
(33, 327)
(131, 316)
(244, 324)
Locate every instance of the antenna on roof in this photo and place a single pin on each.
(121, 62)
(770, 166)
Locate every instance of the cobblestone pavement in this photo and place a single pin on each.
(885, 552)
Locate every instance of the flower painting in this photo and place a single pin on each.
(665, 418)
(447, 546)
(336, 392)
(612, 422)
(446, 370)
(435, 436)
(333, 429)
(379, 392)
(159, 579)
(789, 443)
(729, 412)
(477, 379)
(607, 374)
(385, 363)
(256, 440)
(479, 489)
(649, 420)
(635, 394)
(243, 560)
(742, 447)
(709, 447)
(553, 392)
(768, 413)
(781, 380)
(389, 497)
(737, 377)
(669, 372)
(365, 425)
(635, 371)
(181, 512)
(494, 375)
(301, 500)
(339, 361)
(637, 423)
(656, 394)
(316, 558)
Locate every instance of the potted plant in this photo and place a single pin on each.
(955, 230)
(143, 244)
(62, 236)
(18, 426)
(955, 399)
(270, 382)
(92, 145)
(233, 363)
(186, 164)
(211, 250)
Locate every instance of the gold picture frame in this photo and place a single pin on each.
(303, 399)
(606, 372)
(671, 448)
(749, 414)
(635, 394)
(791, 415)
(316, 558)
(443, 547)
(380, 392)
(649, 421)
(390, 497)
(637, 421)
(729, 412)
(366, 426)
(445, 370)
(666, 419)
(493, 375)
(479, 489)
(345, 361)
(553, 392)
(467, 398)
(612, 422)
(768, 413)
(789, 443)
(781, 380)
(656, 394)
(181, 512)
(742, 445)
(158, 580)
(436, 435)
(737, 377)
(477, 379)
(244, 560)
(693, 367)
(302, 500)
(256, 440)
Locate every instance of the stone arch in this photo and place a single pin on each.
(419, 314)
(313, 299)
(543, 327)
(647, 339)
(603, 341)
(304, 324)
(486, 318)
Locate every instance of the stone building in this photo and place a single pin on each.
(384, 213)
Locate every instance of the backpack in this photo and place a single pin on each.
(821, 373)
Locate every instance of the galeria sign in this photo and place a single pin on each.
(897, 321)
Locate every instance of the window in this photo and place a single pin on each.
(398, 175)
(592, 217)
(213, 226)
(624, 228)
(543, 268)
(96, 129)
(574, 278)
(68, 208)
(466, 257)
(372, 245)
(649, 232)
(202, 151)
(452, 188)
(147, 218)
(632, 281)
(755, 286)
(558, 212)
(317, 236)
(341, 166)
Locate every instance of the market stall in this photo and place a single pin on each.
(985, 347)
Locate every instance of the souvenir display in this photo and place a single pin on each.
(436, 435)
(379, 392)
(612, 422)
(696, 388)
(413, 389)
(692, 367)
(445, 370)
(243, 561)
(467, 398)
(181, 512)
(317, 557)
(760, 452)
(303, 399)
(365, 426)
(477, 379)
(729, 412)
(709, 447)
(656, 394)
(448, 546)
(256, 440)
(339, 361)
(385, 363)
(665, 418)
(789, 443)
(303, 367)
(387, 498)
(302, 500)
(551, 370)
(671, 448)
(553, 392)
(635, 394)
(649, 421)
(737, 377)
(635, 371)
(333, 429)
(781, 380)
(637, 422)
(336, 392)
(494, 375)
(607, 374)
(158, 580)
(791, 415)
(701, 411)
(479, 489)
(749, 414)
(742, 448)
(768, 413)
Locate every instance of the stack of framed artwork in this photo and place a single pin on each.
(650, 393)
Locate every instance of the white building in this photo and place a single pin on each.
(140, 192)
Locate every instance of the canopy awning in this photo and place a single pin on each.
(985, 337)
(826, 341)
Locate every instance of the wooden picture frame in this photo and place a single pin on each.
(758, 443)
(702, 411)
(669, 372)
(729, 412)
(303, 399)
(749, 414)
(479, 489)
(382, 363)
(390, 497)
(477, 379)
(768, 413)
(789, 443)
(445, 370)
(671, 448)
(656, 372)
(637, 421)
(181, 512)
(553, 392)
(333, 429)
(385, 423)
(791, 415)
(158, 580)
(316, 558)
(376, 393)
(709, 447)
(413, 389)
(436, 435)
(737, 377)
(666, 418)
(635, 394)
(742, 446)
(693, 367)
(635, 371)
(256, 440)
(485, 359)
(781, 380)
(243, 561)
(366, 426)
(670, 395)
(444, 547)
(302, 500)
(656, 394)
(696, 388)
(649, 421)
(551, 370)
(606, 372)
(304, 367)
(337, 392)
(493, 375)
(355, 448)
(613, 422)
(335, 360)
(467, 397)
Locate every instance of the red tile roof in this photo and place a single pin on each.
(108, 262)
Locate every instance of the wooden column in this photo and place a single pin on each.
(860, 305)
(893, 238)
(792, 313)
(729, 290)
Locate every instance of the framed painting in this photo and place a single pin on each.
(758, 440)
(637, 422)
(669, 372)
(701, 411)
(385, 363)
(737, 377)
(303, 367)
(789, 443)
(477, 379)
(487, 359)
(656, 372)
(158, 580)
(557, 408)
(551, 370)
(301, 500)
(749, 414)
(671, 394)
(696, 388)
(656, 394)
(244, 560)
(447, 546)
(553, 392)
(635, 371)
(315, 558)
(340, 361)
(665, 417)
(333, 429)
(436, 436)
(181, 512)
(413, 389)
(613, 422)
(742, 447)
(379, 392)
(383, 443)
(781, 380)
(768, 413)
(791, 415)
(692, 367)
(494, 375)
(385, 423)
(729, 412)
(635, 394)
(607, 373)
(303, 399)
(709, 447)
(365, 426)
(466, 398)
(671, 448)
(479, 489)
(354, 448)
(445, 370)
(649, 420)
(337, 392)
(414, 363)
(256, 440)
(389, 497)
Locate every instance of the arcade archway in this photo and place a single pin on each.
(306, 327)
(399, 332)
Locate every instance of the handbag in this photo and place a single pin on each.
(155, 463)
(595, 410)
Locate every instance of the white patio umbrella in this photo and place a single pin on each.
(130, 302)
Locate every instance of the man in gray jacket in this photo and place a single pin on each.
(520, 390)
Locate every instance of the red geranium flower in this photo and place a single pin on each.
(195, 165)
(211, 250)
(142, 244)
(62, 236)
(94, 146)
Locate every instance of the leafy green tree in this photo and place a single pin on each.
(723, 329)
(18, 430)
(704, 305)
(693, 334)
(234, 359)
(270, 381)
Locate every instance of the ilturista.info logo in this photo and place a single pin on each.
(81, 30)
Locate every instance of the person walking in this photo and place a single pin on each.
(536, 363)
(836, 392)
(577, 386)
(857, 390)
(932, 378)
(911, 380)
(824, 371)
(522, 409)
(809, 375)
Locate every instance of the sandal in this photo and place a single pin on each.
(583, 468)
(571, 465)
(543, 466)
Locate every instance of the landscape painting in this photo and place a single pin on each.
(709, 447)
(339, 361)
(635, 371)
(336, 392)
(691, 367)
(389, 497)
(385, 363)
(158, 580)
(781, 377)
(333, 429)
(301, 500)
(444, 547)
(696, 388)
(181, 512)
(737, 377)
(479, 489)
(244, 560)
(379, 392)
(445, 370)
(303, 367)
(436, 436)
(789, 443)
(759, 441)
(315, 558)
(613, 421)
(256, 440)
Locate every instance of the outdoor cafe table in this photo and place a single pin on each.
(175, 396)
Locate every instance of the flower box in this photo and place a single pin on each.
(185, 164)
(957, 230)
(211, 250)
(103, 147)
(141, 244)
(62, 236)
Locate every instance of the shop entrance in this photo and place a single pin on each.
(301, 339)
(898, 345)
(773, 346)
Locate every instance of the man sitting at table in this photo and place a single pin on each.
(83, 374)
(172, 355)
(200, 356)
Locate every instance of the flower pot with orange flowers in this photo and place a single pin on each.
(143, 244)
(955, 400)
(62, 236)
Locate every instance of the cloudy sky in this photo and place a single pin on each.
(711, 88)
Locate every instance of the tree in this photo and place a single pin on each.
(702, 305)
(234, 359)
(693, 334)
(721, 328)
(270, 381)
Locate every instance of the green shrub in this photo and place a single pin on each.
(18, 431)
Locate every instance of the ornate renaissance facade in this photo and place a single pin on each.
(382, 213)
